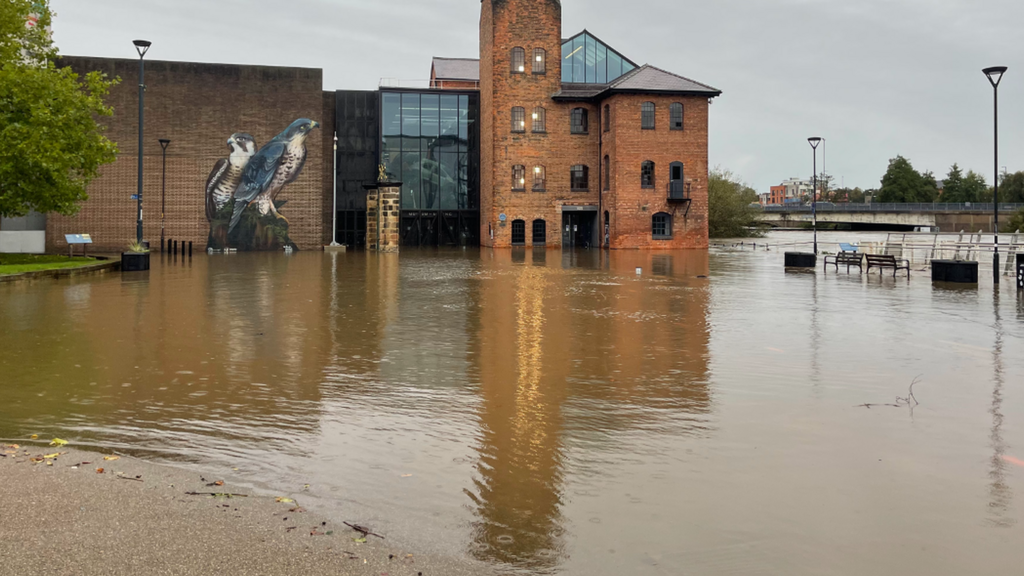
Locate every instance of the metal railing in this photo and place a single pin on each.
(677, 190)
(1006, 208)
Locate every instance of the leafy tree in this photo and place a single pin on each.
(50, 144)
(902, 183)
(964, 188)
(1011, 188)
(730, 213)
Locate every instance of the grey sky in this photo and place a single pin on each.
(876, 78)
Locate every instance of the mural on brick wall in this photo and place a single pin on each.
(242, 190)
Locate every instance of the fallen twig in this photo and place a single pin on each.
(363, 530)
(217, 494)
(910, 400)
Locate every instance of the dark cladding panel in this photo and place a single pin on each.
(358, 137)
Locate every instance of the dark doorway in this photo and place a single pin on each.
(352, 228)
(578, 229)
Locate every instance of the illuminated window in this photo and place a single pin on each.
(539, 119)
(539, 61)
(519, 119)
(519, 177)
(539, 179)
(518, 60)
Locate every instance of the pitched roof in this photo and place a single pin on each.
(456, 69)
(646, 78)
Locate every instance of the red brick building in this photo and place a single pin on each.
(579, 145)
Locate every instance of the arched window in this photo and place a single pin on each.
(539, 179)
(675, 114)
(578, 121)
(579, 178)
(539, 61)
(540, 232)
(519, 177)
(518, 60)
(519, 233)
(607, 173)
(647, 174)
(518, 119)
(647, 116)
(607, 118)
(540, 119)
(661, 226)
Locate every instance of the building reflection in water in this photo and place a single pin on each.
(1000, 492)
(571, 356)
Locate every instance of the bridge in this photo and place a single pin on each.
(970, 217)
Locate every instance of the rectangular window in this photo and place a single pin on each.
(607, 173)
(539, 179)
(647, 116)
(647, 174)
(578, 178)
(661, 226)
(578, 121)
(519, 177)
(539, 120)
(519, 119)
(676, 116)
(518, 60)
(607, 118)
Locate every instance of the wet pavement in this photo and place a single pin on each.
(560, 413)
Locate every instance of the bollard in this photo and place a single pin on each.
(161, 245)
(190, 249)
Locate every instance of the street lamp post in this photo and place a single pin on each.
(164, 143)
(995, 76)
(334, 226)
(814, 141)
(142, 46)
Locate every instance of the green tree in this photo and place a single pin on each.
(51, 146)
(963, 188)
(730, 210)
(1011, 188)
(902, 183)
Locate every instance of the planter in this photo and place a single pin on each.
(801, 260)
(134, 261)
(956, 271)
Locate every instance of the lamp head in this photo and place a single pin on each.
(814, 141)
(164, 143)
(995, 74)
(142, 46)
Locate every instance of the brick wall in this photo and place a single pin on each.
(631, 207)
(197, 106)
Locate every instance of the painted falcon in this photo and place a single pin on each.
(271, 169)
(227, 173)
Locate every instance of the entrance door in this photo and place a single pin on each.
(578, 229)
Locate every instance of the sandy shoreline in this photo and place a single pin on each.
(137, 518)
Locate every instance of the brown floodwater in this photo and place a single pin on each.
(559, 413)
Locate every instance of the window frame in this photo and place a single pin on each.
(648, 174)
(540, 115)
(648, 116)
(519, 178)
(544, 232)
(607, 118)
(579, 173)
(607, 184)
(521, 223)
(583, 126)
(518, 116)
(518, 60)
(674, 109)
(543, 60)
(540, 180)
(667, 229)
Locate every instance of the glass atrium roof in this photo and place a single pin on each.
(587, 60)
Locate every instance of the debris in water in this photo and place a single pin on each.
(58, 442)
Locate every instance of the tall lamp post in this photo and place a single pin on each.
(814, 141)
(142, 46)
(995, 76)
(334, 226)
(164, 143)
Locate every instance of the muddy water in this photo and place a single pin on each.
(557, 413)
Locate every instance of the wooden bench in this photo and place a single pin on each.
(845, 258)
(881, 261)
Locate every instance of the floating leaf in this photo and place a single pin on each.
(99, 470)
(58, 442)
(111, 458)
(285, 500)
(12, 446)
(330, 532)
(54, 455)
(34, 436)
(359, 540)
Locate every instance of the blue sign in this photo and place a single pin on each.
(502, 217)
(78, 238)
(135, 196)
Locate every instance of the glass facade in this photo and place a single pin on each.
(586, 60)
(430, 143)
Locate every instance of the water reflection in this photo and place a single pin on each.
(577, 359)
(1000, 492)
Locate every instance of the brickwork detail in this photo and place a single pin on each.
(383, 218)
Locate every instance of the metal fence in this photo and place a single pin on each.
(1006, 208)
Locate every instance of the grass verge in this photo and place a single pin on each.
(20, 263)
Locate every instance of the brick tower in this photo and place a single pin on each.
(520, 70)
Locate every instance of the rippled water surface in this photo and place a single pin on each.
(558, 413)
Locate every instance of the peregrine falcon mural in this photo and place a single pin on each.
(242, 190)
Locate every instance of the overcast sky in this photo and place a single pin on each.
(875, 78)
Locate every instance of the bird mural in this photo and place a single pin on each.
(271, 169)
(227, 173)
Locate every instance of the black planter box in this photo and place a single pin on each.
(957, 271)
(134, 261)
(801, 260)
